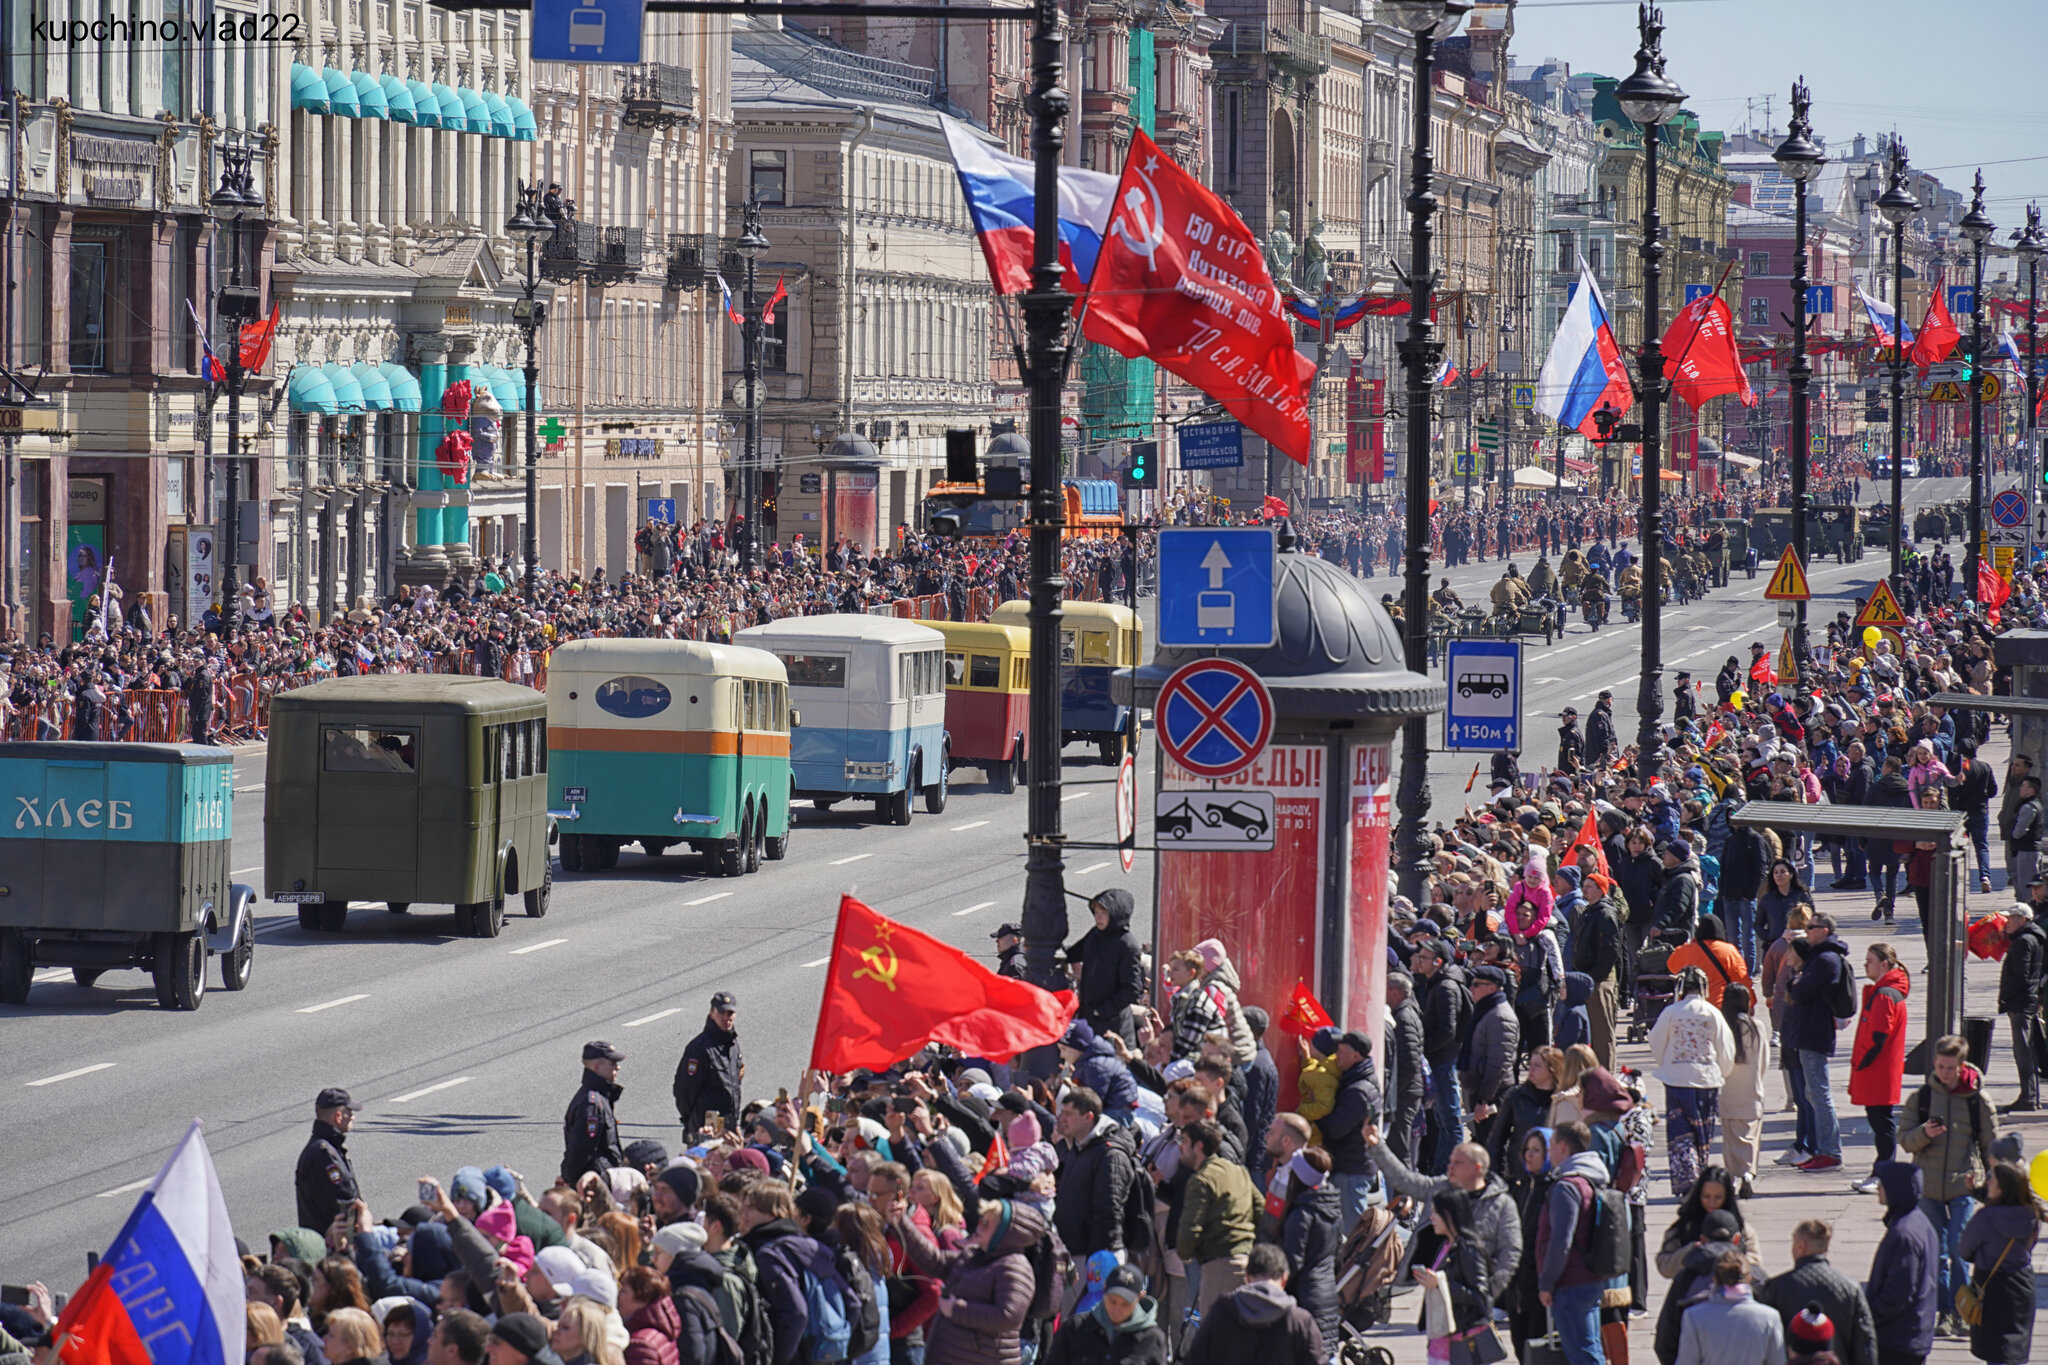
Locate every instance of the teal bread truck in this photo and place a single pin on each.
(116, 856)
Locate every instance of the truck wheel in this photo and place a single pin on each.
(935, 795)
(775, 850)
(572, 852)
(726, 858)
(750, 842)
(17, 968)
(180, 971)
(895, 807)
(538, 898)
(486, 918)
(309, 918)
(606, 856)
(235, 965)
(333, 915)
(86, 976)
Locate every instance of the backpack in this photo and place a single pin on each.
(1842, 998)
(829, 1318)
(1608, 1245)
(691, 1299)
(1137, 1214)
(866, 1326)
(756, 1335)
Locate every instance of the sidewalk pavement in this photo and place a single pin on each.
(1786, 1197)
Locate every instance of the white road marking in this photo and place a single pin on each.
(820, 962)
(1540, 681)
(1095, 867)
(1075, 796)
(345, 1000)
(972, 908)
(842, 862)
(428, 1090)
(71, 1075)
(128, 1188)
(962, 829)
(277, 922)
(706, 900)
(536, 947)
(650, 1018)
(257, 788)
(244, 871)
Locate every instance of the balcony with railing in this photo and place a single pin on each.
(620, 253)
(1307, 53)
(658, 95)
(571, 252)
(692, 258)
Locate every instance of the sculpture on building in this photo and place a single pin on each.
(1314, 265)
(1280, 249)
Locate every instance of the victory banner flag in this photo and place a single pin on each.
(1704, 361)
(1182, 281)
(1305, 1014)
(890, 990)
(1938, 331)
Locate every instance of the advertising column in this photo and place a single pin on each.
(1372, 802)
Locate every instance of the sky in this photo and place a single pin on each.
(1960, 84)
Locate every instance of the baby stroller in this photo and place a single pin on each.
(1656, 985)
(1366, 1265)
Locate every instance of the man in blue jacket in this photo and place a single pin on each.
(1358, 1103)
(1904, 1285)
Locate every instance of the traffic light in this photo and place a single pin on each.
(960, 467)
(1143, 470)
(1966, 355)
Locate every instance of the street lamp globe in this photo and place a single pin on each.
(2030, 244)
(1897, 203)
(1647, 95)
(236, 198)
(1977, 225)
(1416, 16)
(1799, 156)
(751, 242)
(527, 226)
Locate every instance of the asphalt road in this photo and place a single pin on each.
(466, 1051)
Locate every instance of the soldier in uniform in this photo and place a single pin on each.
(1684, 707)
(1009, 951)
(326, 1181)
(1569, 747)
(590, 1128)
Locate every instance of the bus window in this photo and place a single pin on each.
(1020, 675)
(781, 716)
(354, 749)
(956, 669)
(987, 671)
(525, 732)
(1095, 648)
(540, 748)
(1067, 647)
(750, 692)
(815, 670)
(508, 753)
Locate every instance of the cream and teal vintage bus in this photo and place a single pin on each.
(667, 742)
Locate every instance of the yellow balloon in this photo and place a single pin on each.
(1871, 635)
(2037, 1174)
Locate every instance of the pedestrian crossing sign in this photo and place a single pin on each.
(1788, 665)
(1788, 584)
(1882, 610)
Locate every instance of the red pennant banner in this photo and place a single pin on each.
(1305, 1014)
(1700, 349)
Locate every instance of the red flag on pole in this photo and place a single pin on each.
(1991, 589)
(890, 990)
(1589, 837)
(997, 1159)
(1182, 281)
(1938, 333)
(1304, 1014)
(768, 311)
(256, 338)
(1762, 673)
(1700, 348)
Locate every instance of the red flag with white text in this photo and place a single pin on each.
(1699, 349)
(768, 312)
(1938, 332)
(1181, 281)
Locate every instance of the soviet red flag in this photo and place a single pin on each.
(1589, 837)
(1182, 281)
(890, 990)
(1938, 332)
(1700, 354)
(1305, 1014)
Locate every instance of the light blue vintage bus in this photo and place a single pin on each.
(872, 692)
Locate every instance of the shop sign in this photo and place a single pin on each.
(633, 448)
(16, 420)
(88, 501)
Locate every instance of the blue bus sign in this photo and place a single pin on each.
(1484, 679)
(587, 30)
(1219, 445)
(1216, 586)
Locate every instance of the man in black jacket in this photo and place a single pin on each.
(590, 1127)
(1358, 1103)
(1569, 745)
(1445, 1006)
(709, 1075)
(1596, 951)
(1112, 966)
(1853, 790)
(1405, 1085)
(1812, 1280)
(325, 1179)
(1600, 742)
(2019, 998)
(1744, 860)
(1098, 1170)
(1972, 796)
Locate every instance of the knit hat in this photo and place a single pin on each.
(1325, 1041)
(1810, 1332)
(497, 1223)
(1023, 1131)
(677, 1238)
(683, 1182)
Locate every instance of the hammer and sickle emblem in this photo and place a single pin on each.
(1146, 218)
(881, 962)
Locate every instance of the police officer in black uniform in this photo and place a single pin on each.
(590, 1130)
(326, 1181)
(1600, 740)
(1684, 706)
(709, 1075)
(1009, 951)
(1569, 746)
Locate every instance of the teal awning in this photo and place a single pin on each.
(501, 114)
(370, 96)
(524, 126)
(453, 117)
(398, 99)
(309, 390)
(376, 388)
(341, 93)
(426, 104)
(474, 109)
(405, 387)
(507, 388)
(348, 394)
(309, 91)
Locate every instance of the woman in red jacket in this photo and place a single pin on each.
(1879, 1059)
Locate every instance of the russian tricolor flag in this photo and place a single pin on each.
(1584, 369)
(1883, 319)
(170, 1289)
(998, 187)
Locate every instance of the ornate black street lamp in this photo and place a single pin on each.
(1978, 228)
(1899, 207)
(1651, 98)
(1428, 20)
(2029, 246)
(530, 226)
(1802, 160)
(751, 245)
(238, 203)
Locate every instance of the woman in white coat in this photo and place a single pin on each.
(1692, 1050)
(1742, 1093)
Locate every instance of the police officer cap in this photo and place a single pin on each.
(602, 1051)
(725, 1000)
(1008, 930)
(334, 1097)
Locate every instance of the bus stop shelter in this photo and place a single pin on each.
(1950, 874)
